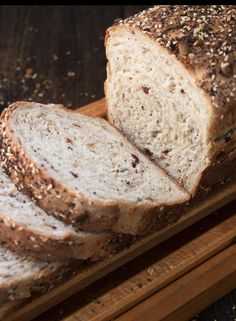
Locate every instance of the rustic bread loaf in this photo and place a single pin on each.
(21, 276)
(171, 87)
(28, 229)
(82, 170)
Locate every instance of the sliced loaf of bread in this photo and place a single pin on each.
(26, 228)
(171, 88)
(20, 276)
(83, 171)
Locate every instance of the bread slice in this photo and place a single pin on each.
(172, 90)
(21, 276)
(82, 170)
(26, 228)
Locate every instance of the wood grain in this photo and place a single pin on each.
(7, 307)
(62, 45)
(96, 108)
(191, 293)
(161, 273)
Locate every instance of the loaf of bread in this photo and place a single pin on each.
(86, 173)
(27, 229)
(171, 88)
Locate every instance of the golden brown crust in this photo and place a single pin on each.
(201, 38)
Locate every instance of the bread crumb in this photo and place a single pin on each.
(55, 57)
(150, 271)
(29, 73)
(71, 74)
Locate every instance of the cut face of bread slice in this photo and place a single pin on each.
(154, 101)
(84, 171)
(21, 276)
(28, 229)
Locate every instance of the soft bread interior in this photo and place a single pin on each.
(20, 270)
(17, 208)
(90, 156)
(153, 100)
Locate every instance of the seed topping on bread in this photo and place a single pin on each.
(200, 36)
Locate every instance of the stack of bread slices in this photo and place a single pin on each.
(75, 187)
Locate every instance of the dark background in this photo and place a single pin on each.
(56, 54)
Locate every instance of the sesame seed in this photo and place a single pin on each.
(49, 187)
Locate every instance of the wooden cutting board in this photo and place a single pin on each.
(177, 271)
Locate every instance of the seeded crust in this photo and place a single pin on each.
(201, 38)
(48, 194)
(23, 240)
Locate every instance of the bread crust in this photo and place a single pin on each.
(60, 201)
(162, 26)
(22, 239)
